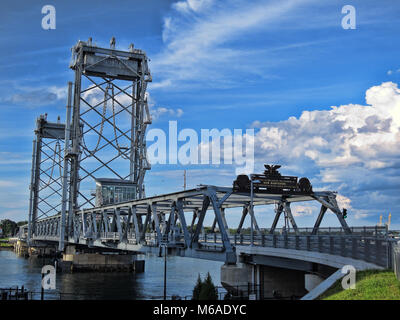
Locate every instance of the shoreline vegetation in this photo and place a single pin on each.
(370, 285)
(4, 244)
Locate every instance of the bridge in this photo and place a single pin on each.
(160, 223)
(146, 225)
(65, 215)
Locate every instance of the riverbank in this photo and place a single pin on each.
(10, 248)
(4, 244)
(370, 285)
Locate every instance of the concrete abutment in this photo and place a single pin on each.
(270, 282)
(74, 259)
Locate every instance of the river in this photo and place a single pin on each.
(182, 274)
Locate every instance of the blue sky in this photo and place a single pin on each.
(324, 101)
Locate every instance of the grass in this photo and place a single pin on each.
(370, 285)
(4, 243)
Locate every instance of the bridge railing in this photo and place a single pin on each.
(376, 250)
(365, 231)
(150, 238)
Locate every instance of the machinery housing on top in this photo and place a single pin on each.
(272, 181)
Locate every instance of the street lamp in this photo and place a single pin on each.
(251, 211)
(165, 271)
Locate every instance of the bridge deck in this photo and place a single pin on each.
(125, 226)
(366, 249)
(194, 199)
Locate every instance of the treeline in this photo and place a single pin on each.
(9, 227)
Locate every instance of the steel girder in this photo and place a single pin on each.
(247, 210)
(329, 201)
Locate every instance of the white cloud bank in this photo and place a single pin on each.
(351, 148)
(348, 135)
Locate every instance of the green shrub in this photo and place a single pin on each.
(205, 290)
(197, 289)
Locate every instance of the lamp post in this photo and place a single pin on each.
(165, 271)
(251, 211)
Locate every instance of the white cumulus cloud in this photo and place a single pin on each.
(353, 149)
(362, 135)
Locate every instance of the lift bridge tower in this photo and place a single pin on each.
(103, 138)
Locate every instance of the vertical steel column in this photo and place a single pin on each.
(145, 225)
(118, 222)
(36, 186)
(94, 223)
(104, 220)
(65, 169)
(156, 222)
(83, 224)
(75, 139)
(136, 224)
(132, 155)
(137, 129)
(31, 192)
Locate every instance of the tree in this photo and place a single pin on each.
(9, 227)
(208, 290)
(197, 289)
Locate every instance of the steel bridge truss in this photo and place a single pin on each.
(103, 136)
(47, 170)
(109, 111)
(160, 221)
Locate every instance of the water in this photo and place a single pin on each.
(182, 274)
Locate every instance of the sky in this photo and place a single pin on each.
(323, 101)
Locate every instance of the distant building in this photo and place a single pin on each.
(1, 233)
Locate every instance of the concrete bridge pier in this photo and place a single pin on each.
(42, 251)
(79, 259)
(21, 248)
(278, 282)
(34, 250)
(262, 281)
